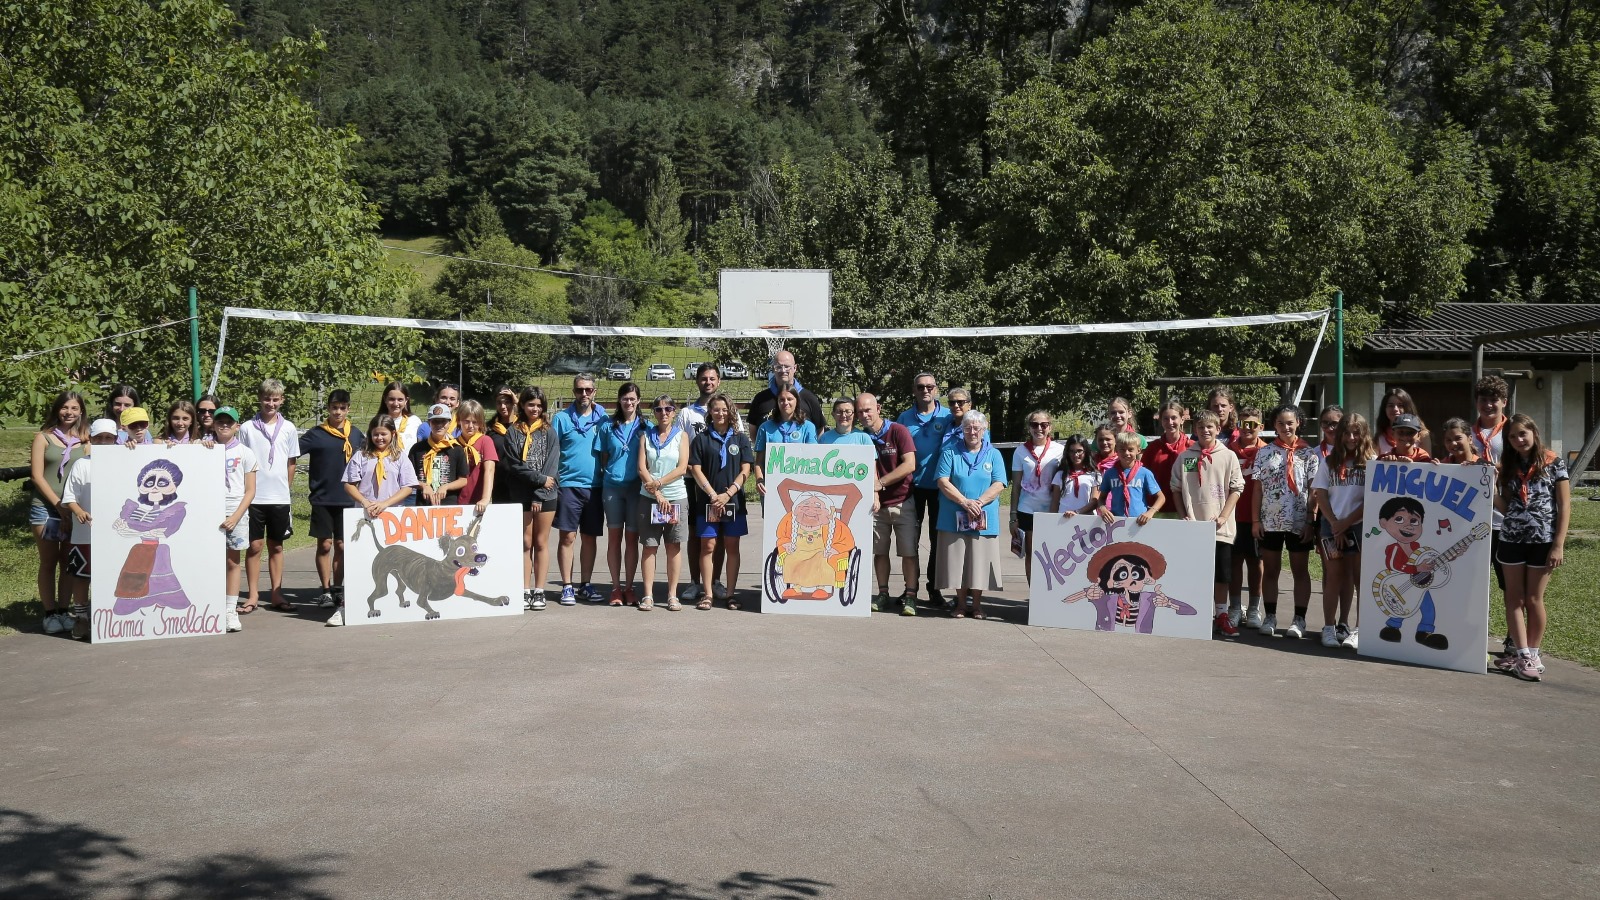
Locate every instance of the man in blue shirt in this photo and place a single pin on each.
(928, 421)
(580, 508)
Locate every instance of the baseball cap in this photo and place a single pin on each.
(1407, 420)
(134, 414)
(102, 426)
(226, 412)
(439, 411)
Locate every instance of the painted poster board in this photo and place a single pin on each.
(420, 563)
(1122, 577)
(816, 538)
(1424, 589)
(157, 568)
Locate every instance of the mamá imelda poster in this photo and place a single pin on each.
(156, 555)
(1424, 588)
(418, 563)
(817, 530)
(1119, 576)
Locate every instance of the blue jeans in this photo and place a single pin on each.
(1426, 625)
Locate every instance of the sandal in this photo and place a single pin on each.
(673, 605)
(282, 605)
(647, 604)
(733, 604)
(246, 609)
(703, 604)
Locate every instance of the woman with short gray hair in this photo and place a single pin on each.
(971, 475)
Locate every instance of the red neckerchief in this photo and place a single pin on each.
(1415, 454)
(1488, 448)
(1324, 450)
(1038, 461)
(1073, 477)
(1128, 475)
(1288, 464)
(1105, 463)
(1524, 471)
(1183, 444)
(1203, 458)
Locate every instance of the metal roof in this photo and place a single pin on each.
(1452, 326)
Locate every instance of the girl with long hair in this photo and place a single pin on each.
(1535, 496)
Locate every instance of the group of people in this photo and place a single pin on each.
(680, 477)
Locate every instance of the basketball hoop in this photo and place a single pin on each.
(774, 344)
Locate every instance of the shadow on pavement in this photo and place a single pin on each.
(592, 880)
(45, 860)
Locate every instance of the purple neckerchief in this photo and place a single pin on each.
(68, 442)
(272, 439)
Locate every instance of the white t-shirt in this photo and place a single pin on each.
(1344, 496)
(75, 489)
(1036, 468)
(240, 461)
(1077, 490)
(406, 436)
(274, 447)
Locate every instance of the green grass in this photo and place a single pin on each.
(425, 268)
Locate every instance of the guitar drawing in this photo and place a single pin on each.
(1405, 588)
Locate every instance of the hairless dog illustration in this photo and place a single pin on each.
(430, 579)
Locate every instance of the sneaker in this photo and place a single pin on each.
(909, 608)
(337, 619)
(1539, 661)
(1235, 616)
(690, 594)
(879, 601)
(1330, 636)
(1225, 627)
(1341, 633)
(1527, 668)
(1297, 628)
(80, 627)
(718, 591)
(1352, 640)
(326, 601)
(618, 597)
(569, 597)
(588, 592)
(1253, 619)
(1506, 664)
(537, 603)
(234, 624)
(52, 624)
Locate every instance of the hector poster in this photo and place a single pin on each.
(156, 558)
(1121, 577)
(1424, 588)
(817, 530)
(419, 563)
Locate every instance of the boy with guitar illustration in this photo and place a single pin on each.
(1412, 567)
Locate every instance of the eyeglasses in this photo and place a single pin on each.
(1327, 424)
(1250, 423)
(927, 387)
(1038, 424)
(783, 368)
(587, 390)
(665, 409)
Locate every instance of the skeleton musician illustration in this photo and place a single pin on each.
(147, 578)
(1414, 571)
(1125, 592)
(816, 554)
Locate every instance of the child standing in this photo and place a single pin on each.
(1404, 433)
(75, 502)
(440, 464)
(1339, 492)
(239, 474)
(1284, 470)
(1128, 489)
(1206, 485)
(1105, 448)
(1163, 452)
(1247, 565)
(1075, 484)
(276, 444)
(379, 476)
(1536, 496)
(1035, 464)
(327, 449)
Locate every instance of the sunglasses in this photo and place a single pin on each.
(205, 412)
(665, 409)
(1250, 423)
(1038, 424)
(588, 390)
(927, 387)
(1333, 424)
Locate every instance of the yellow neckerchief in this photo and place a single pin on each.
(342, 435)
(400, 426)
(434, 448)
(527, 435)
(499, 427)
(377, 472)
(471, 446)
(452, 427)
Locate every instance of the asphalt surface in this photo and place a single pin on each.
(594, 752)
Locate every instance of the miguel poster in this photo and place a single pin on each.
(1424, 588)
(817, 530)
(420, 563)
(1122, 577)
(157, 566)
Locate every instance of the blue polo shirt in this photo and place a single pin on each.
(771, 433)
(580, 446)
(927, 433)
(620, 444)
(832, 436)
(971, 473)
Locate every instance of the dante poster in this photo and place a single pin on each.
(1123, 577)
(817, 530)
(1424, 588)
(157, 564)
(420, 563)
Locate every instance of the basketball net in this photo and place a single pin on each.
(774, 344)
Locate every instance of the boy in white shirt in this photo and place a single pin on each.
(75, 503)
(239, 473)
(276, 445)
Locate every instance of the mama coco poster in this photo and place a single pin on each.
(816, 539)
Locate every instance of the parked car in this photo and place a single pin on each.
(619, 372)
(661, 372)
(691, 371)
(735, 371)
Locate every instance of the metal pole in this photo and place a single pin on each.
(460, 365)
(1338, 338)
(194, 340)
(1477, 363)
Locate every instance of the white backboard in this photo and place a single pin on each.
(782, 298)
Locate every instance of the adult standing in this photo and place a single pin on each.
(692, 419)
(1035, 464)
(328, 449)
(661, 461)
(719, 463)
(892, 520)
(785, 374)
(619, 460)
(532, 462)
(972, 475)
(787, 424)
(61, 440)
(580, 508)
(927, 421)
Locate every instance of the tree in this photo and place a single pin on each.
(144, 150)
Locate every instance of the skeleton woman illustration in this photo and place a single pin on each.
(147, 578)
(816, 553)
(1125, 591)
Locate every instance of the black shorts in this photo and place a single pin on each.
(327, 522)
(1025, 521)
(1534, 556)
(581, 510)
(1274, 542)
(1494, 556)
(1244, 544)
(1224, 570)
(270, 521)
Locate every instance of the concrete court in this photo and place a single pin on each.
(607, 753)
